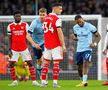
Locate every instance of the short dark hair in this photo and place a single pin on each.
(56, 4)
(43, 10)
(77, 17)
(17, 12)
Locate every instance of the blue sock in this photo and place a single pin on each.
(39, 68)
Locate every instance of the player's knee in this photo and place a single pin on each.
(29, 63)
(39, 62)
(56, 68)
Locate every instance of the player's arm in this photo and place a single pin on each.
(105, 44)
(60, 34)
(9, 36)
(61, 37)
(74, 36)
(97, 37)
(29, 38)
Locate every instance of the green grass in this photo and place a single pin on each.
(65, 85)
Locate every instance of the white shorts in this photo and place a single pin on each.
(25, 55)
(53, 54)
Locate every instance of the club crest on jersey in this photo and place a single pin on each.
(22, 27)
(13, 28)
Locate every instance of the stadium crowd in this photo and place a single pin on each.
(70, 6)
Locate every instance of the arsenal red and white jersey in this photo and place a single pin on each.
(50, 25)
(18, 35)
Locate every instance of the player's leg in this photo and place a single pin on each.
(38, 54)
(12, 69)
(84, 58)
(47, 58)
(80, 70)
(86, 62)
(79, 62)
(27, 57)
(57, 55)
(106, 62)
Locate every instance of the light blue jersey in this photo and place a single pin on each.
(37, 31)
(84, 36)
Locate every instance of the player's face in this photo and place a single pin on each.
(42, 15)
(17, 18)
(80, 22)
(59, 10)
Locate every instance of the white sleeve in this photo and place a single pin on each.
(8, 30)
(105, 42)
(27, 27)
(59, 23)
(107, 27)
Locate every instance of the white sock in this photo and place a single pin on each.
(55, 81)
(85, 78)
(43, 81)
(15, 81)
(34, 81)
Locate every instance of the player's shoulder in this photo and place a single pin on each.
(75, 26)
(36, 20)
(11, 24)
(88, 24)
(53, 15)
(24, 23)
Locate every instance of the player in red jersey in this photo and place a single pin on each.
(54, 43)
(17, 32)
(105, 52)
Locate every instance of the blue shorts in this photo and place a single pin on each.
(38, 53)
(81, 56)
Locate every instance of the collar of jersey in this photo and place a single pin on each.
(53, 14)
(18, 23)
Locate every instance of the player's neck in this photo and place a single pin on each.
(17, 22)
(41, 20)
(54, 12)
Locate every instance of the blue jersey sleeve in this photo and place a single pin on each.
(32, 26)
(74, 30)
(92, 28)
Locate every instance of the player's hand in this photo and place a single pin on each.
(10, 53)
(92, 45)
(104, 52)
(64, 49)
(37, 46)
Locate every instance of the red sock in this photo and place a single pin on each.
(12, 73)
(44, 71)
(32, 73)
(56, 70)
(107, 64)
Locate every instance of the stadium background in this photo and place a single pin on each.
(30, 7)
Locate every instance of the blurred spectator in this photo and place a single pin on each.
(70, 6)
(3, 64)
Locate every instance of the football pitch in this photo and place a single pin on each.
(65, 85)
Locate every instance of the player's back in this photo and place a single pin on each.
(50, 31)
